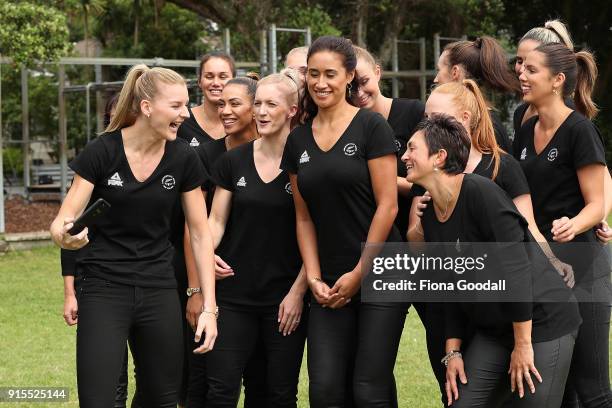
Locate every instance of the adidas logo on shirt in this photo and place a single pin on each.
(304, 158)
(524, 153)
(194, 142)
(115, 180)
(241, 182)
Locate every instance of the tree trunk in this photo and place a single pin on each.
(397, 17)
(136, 22)
(360, 23)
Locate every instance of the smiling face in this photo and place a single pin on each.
(235, 108)
(419, 163)
(167, 110)
(524, 48)
(327, 79)
(537, 81)
(272, 109)
(215, 74)
(368, 77)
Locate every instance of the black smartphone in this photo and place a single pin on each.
(97, 209)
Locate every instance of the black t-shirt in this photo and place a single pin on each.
(336, 187)
(131, 243)
(192, 132)
(552, 174)
(209, 153)
(260, 242)
(519, 114)
(510, 177)
(404, 115)
(501, 134)
(484, 213)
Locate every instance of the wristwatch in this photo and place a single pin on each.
(191, 291)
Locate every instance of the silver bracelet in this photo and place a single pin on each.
(449, 356)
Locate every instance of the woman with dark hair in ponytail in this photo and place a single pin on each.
(235, 111)
(553, 32)
(562, 155)
(128, 286)
(483, 60)
(343, 171)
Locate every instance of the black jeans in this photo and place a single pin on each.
(352, 352)
(588, 384)
(111, 314)
(240, 330)
(486, 362)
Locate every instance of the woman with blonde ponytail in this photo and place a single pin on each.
(563, 157)
(128, 289)
(466, 103)
(252, 223)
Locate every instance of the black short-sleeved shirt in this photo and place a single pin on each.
(485, 213)
(501, 134)
(510, 176)
(131, 243)
(260, 242)
(336, 187)
(209, 153)
(404, 115)
(552, 174)
(519, 114)
(192, 132)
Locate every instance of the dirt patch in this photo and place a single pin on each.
(24, 216)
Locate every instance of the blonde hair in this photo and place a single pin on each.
(290, 79)
(468, 97)
(362, 53)
(554, 31)
(141, 83)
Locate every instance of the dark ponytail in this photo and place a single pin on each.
(484, 60)
(580, 73)
(342, 47)
(249, 81)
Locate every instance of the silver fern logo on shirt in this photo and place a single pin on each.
(241, 182)
(115, 180)
(168, 182)
(194, 142)
(398, 144)
(350, 149)
(553, 154)
(304, 158)
(524, 153)
(288, 188)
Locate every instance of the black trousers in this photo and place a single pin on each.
(486, 362)
(352, 352)
(111, 314)
(240, 330)
(588, 385)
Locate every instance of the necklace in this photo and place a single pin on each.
(450, 199)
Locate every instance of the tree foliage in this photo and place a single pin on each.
(31, 33)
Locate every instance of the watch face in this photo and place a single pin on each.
(189, 292)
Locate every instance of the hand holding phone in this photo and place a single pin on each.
(89, 216)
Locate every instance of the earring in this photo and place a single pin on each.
(555, 91)
(349, 86)
(435, 168)
(149, 115)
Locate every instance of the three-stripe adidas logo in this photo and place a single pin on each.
(241, 182)
(194, 142)
(115, 180)
(304, 158)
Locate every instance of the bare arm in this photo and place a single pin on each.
(403, 186)
(77, 198)
(219, 213)
(201, 245)
(591, 179)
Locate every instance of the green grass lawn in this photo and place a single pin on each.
(38, 349)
